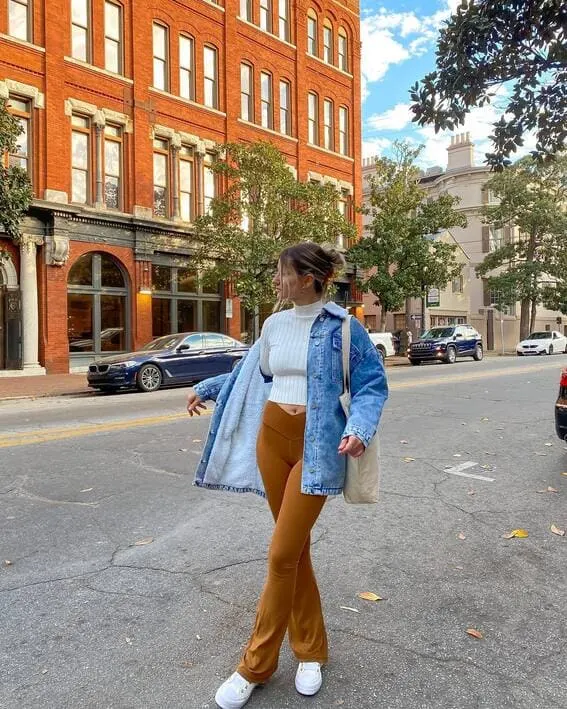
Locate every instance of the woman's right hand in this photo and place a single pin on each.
(194, 403)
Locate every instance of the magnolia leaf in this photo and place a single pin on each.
(408, 460)
(348, 608)
(548, 489)
(369, 596)
(517, 533)
(144, 541)
(549, 445)
(564, 474)
(475, 633)
(556, 530)
(87, 489)
(461, 536)
(7, 562)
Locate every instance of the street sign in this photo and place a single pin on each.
(433, 298)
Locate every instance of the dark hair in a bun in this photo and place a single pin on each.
(322, 261)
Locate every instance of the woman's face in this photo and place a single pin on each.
(290, 285)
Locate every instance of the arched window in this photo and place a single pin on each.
(97, 300)
(328, 41)
(312, 31)
(343, 49)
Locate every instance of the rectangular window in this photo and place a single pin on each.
(495, 238)
(113, 167)
(457, 285)
(266, 15)
(19, 20)
(285, 107)
(266, 100)
(313, 118)
(186, 164)
(209, 182)
(81, 160)
(328, 44)
(343, 53)
(328, 125)
(21, 109)
(80, 44)
(113, 37)
(343, 131)
(246, 10)
(312, 35)
(210, 77)
(283, 20)
(246, 96)
(161, 178)
(160, 40)
(186, 74)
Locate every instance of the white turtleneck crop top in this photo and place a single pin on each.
(283, 352)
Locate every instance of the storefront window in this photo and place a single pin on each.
(161, 278)
(186, 315)
(97, 309)
(161, 316)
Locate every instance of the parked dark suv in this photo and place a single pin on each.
(446, 344)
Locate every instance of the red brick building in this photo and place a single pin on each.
(123, 104)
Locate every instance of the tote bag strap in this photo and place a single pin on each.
(346, 354)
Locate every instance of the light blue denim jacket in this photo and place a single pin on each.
(229, 457)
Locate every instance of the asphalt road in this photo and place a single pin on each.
(127, 587)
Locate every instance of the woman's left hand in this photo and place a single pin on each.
(352, 446)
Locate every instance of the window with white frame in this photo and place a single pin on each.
(186, 182)
(328, 42)
(20, 20)
(210, 77)
(495, 238)
(161, 44)
(81, 176)
(343, 131)
(246, 10)
(328, 125)
(283, 20)
(113, 37)
(266, 101)
(186, 63)
(458, 283)
(285, 107)
(313, 118)
(246, 92)
(80, 30)
(343, 49)
(266, 15)
(21, 157)
(209, 182)
(161, 178)
(113, 166)
(312, 33)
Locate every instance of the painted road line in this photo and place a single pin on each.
(459, 470)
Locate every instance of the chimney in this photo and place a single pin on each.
(460, 154)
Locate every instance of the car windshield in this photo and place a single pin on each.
(436, 332)
(163, 343)
(539, 336)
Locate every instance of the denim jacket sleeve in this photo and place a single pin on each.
(368, 385)
(209, 388)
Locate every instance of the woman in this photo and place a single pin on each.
(278, 429)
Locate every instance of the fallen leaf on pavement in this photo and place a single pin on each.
(408, 460)
(129, 641)
(369, 596)
(404, 442)
(144, 541)
(348, 608)
(486, 467)
(517, 533)
(460, 535)
(196, 440)
(485, 418)
(471, 492)
(7, 562)
(183, 450)
(548, 444)
(457, 455)
(87, 489)
(538, 453)
(556, 530)
(475, 633)
(564, 475)
(548, 489)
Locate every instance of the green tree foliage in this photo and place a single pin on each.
(397, 253)
(15, 187)
(521, 44)
(261, 210)
(532, 267)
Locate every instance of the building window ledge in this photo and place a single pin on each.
(267, 130)
(98, 70)
(215, 5)
(331, 66)
(187, 101)
(22, 43)
(268, 34)
(331, 152)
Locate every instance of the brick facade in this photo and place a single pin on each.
(43, 72)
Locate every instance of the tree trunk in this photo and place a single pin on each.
(533, 315)
(383, 315)
(524, 318)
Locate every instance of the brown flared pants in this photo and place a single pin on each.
(290, 598)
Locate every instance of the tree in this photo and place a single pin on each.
(520, 44)
(530, 268)
(15, 187)
(262, 210)
(399, 257)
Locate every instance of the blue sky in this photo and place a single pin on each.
(398, 48)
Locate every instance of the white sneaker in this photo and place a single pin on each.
(234, 693)
(308, 679)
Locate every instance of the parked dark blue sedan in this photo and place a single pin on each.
(168, 360)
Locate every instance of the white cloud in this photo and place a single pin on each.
(375, 147)
(396, 118)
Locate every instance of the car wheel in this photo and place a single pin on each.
(550, 350)
(451, 357)
(478, 353)
(381, 352)
(149, 378)
(415, 362)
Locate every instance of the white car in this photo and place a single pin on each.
(538, 343)
(384, 343)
